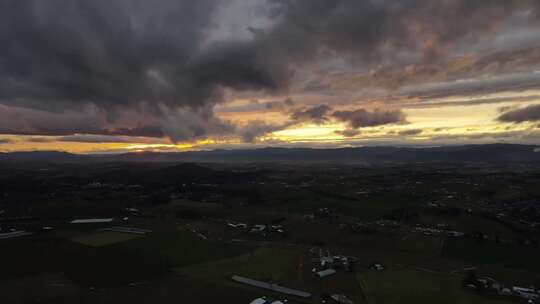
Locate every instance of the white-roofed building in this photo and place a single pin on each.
(265, 300)
(325, 273)
(92, 221)
(14, 234)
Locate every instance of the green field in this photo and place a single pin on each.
(104, 238)
(191, 210)
(113, 265)
(84, 265)
(368, 208)
(491, 253)
(268, 264)
(27, 289)
(420, 244)
(469, 223)
(178, 249)
(409, 286)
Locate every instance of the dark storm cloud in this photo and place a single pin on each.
(60, 54)
(411, 132)
(270, 106)
(94, 139)
(362, 118)
(364, 27)
(112, 52)
(530, 113)
(483, 85)
(185, 125)
(71, 130)
(279, 105)
(109, 53)
(238, 65)
(254, 129)
(321, 114)
(91, 138)
(257, 128)
(316, 114)
(117, 54)
(21, 121)
(141, 131)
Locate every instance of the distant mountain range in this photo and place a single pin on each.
(362, 155)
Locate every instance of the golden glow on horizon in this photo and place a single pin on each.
(309, 131)
(434, 121)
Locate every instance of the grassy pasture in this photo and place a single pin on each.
(84, 265)
(373, 207)
(178, 249)
(491, 253)
(104, 238)
(408, 286)
(131, 261)
(268, 264)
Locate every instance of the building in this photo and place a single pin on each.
(265, 300)
(271, 286)
(341, 299)
(266, 230)
(325, 273)
(237, 225)
(92, 221)
(258, 229)
(128, 230)
(336, 262)
(377, 267)
(14, 234)
(526, 293)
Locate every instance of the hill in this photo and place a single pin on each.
(363, 155)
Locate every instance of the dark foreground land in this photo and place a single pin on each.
(422, 233)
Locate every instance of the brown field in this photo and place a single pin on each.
(103, 238)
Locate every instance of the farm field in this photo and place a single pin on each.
(202, 233)
(266, 264)
(409, 286)
(178, 249)
(491, 253)
(103, 238)
(46, 285)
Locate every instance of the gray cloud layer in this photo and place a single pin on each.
(411, 132)
(105, 52)
(530, 113)
(354, 119)
(21, 121)
(316, 114)
(254, 129)
(362, 118)
(118, 54)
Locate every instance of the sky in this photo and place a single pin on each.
(115, 76)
